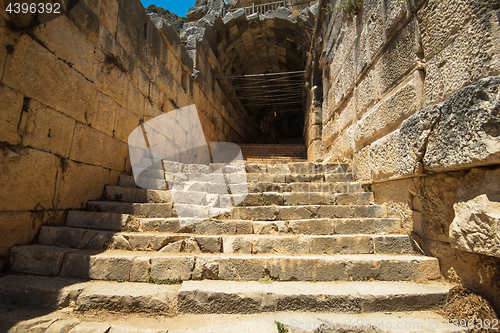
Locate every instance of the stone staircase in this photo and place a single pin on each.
(273, 153)
(305, 238)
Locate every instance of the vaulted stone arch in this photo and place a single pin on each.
(270, 44)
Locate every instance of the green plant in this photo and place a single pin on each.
(107, 278)
(263, 202)
(329, 8)
(117, 197)
(120, 280)
(281, 327)
(265, 280)
(167, 281)
(10, 48)
(351, 7)
(368, 188)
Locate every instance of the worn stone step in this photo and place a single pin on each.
(76, 238)
(137, 209)
(297, 227)
(429, 321)
(142, 266)
(340, 297)
(305, 168)
(283, 213)
(259, 177)
(225, 297)
(102, 220)
(279, 244)
(137, 195)
(255, 213)
(248, 244)
(329, 187)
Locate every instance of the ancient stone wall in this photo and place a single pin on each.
(410, 99)
(71, 91)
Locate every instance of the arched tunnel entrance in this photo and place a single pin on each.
(263, 58)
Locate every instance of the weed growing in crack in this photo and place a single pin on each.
(351, 7)
(281, 327)
(167, 281)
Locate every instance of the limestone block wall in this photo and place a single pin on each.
(391, 60)
(410, 100)
(71, 91)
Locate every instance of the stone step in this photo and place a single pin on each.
(236, 178)
(141, 266)
(223, 297)
(304, 322)
(247, 244)
(304, 168)
(96, 220)
(335, 187)
(138, 195)
(336, 183)
(254, 213)
(138, 209)
(296, 227)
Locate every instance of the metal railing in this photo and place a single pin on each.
(261, 9)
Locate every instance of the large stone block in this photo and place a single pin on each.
(112, 78)
(438, 21)
(11, 104)
(104, 117)
(66, 41)
(27, 180)
(94, 147)
(48, 130)
(399, 57)
(384, 156)
(391, 111)
(172, 268)
(81, 183)
(476, 226)
(110, 266)
(14, 230)
(125, 123)
(458, 133)
(471, 55)
(108, 15)
(66, 91)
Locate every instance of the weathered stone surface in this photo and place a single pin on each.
(172, 268)
(384, 157)
(469, 54)
(111, 265)
(341, 245)
(38, 259)
(391, 111)
(73, 192)
(94, 147)
(14, 230)
(11, 104)
(96, 220)
(48, 130)
(67, 91)
(125, 123)
(137, 297)
(476, 227)
(28, 179)
(63, 38)
(460, 132)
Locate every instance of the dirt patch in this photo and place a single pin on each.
(469, 310)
